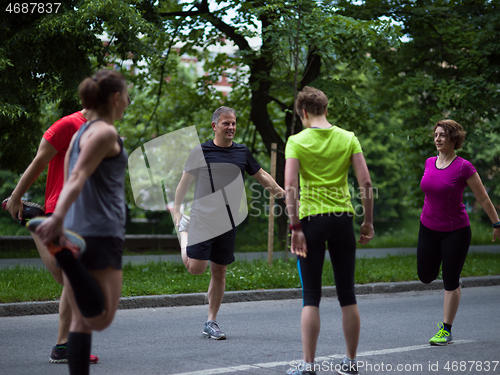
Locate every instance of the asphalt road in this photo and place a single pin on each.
(264, 338)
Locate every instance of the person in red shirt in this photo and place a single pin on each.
(51, 152)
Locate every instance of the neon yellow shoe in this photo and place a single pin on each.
(443, 337)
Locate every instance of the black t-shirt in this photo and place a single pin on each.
(214, 166)
(218, 170)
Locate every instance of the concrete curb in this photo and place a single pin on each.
(172, 300)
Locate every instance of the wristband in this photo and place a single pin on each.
(295, 227)
(497, 225)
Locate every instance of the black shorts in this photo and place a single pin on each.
(102, 252)
(219, 250)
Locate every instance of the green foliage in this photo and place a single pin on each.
(446, 66)
(43, 57)
(386, 88)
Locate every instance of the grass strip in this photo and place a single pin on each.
(23, 284)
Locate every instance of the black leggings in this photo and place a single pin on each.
(338, 231)
(449, 248)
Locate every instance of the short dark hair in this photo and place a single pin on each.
(453, 130)
(96, 91)
(220, 111)
(311, 100)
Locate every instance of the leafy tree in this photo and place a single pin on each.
(300, 43)
(449, 66)
(44, 56)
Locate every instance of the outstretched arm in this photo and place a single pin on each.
(365, 184)
(484, 200)
(269, 184)
(43, 156)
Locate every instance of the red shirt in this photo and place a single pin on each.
(59, 135)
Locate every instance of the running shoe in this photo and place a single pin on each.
(347, 367)
(443, 337)
(30, 210)
(58, 355)
(73, 242)
(183, 224)
(212, 331)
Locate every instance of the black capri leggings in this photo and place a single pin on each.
(338, 231)
(449, 248)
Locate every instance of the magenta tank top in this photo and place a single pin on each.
(444, 210)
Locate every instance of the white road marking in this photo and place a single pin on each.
(226, 370)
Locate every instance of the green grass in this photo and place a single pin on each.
(20, 283)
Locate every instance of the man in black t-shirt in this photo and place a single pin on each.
(219, 166)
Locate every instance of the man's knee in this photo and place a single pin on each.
(195, 266)
(218, 272)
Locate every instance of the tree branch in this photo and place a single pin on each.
(282, 105)
(204, 12)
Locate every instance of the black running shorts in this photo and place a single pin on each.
(219, 250)
(102, 252)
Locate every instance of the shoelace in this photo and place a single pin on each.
(214, 326)
(442, 332)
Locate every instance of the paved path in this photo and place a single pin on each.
(264, 338)
(369, 253)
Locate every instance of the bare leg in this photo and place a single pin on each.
(216, 289)
(110, 282)
(351, 324)
(184, 240)
(64, 318)
(310, 326)
(49, 261)
(64, 307)
(451, 303)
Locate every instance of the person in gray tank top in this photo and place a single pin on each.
(92, 204)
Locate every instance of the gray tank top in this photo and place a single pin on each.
(99, 210)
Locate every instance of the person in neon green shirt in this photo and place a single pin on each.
(322, 154)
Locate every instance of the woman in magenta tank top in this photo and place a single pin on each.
(444, 236)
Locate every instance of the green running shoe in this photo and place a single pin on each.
(443, 337)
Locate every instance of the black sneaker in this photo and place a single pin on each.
(58, 355)
(347, 367)
(212, 331)
(30, 210)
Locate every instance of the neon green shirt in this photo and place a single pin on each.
(325, 158)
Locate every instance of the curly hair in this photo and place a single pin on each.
(454, 132)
